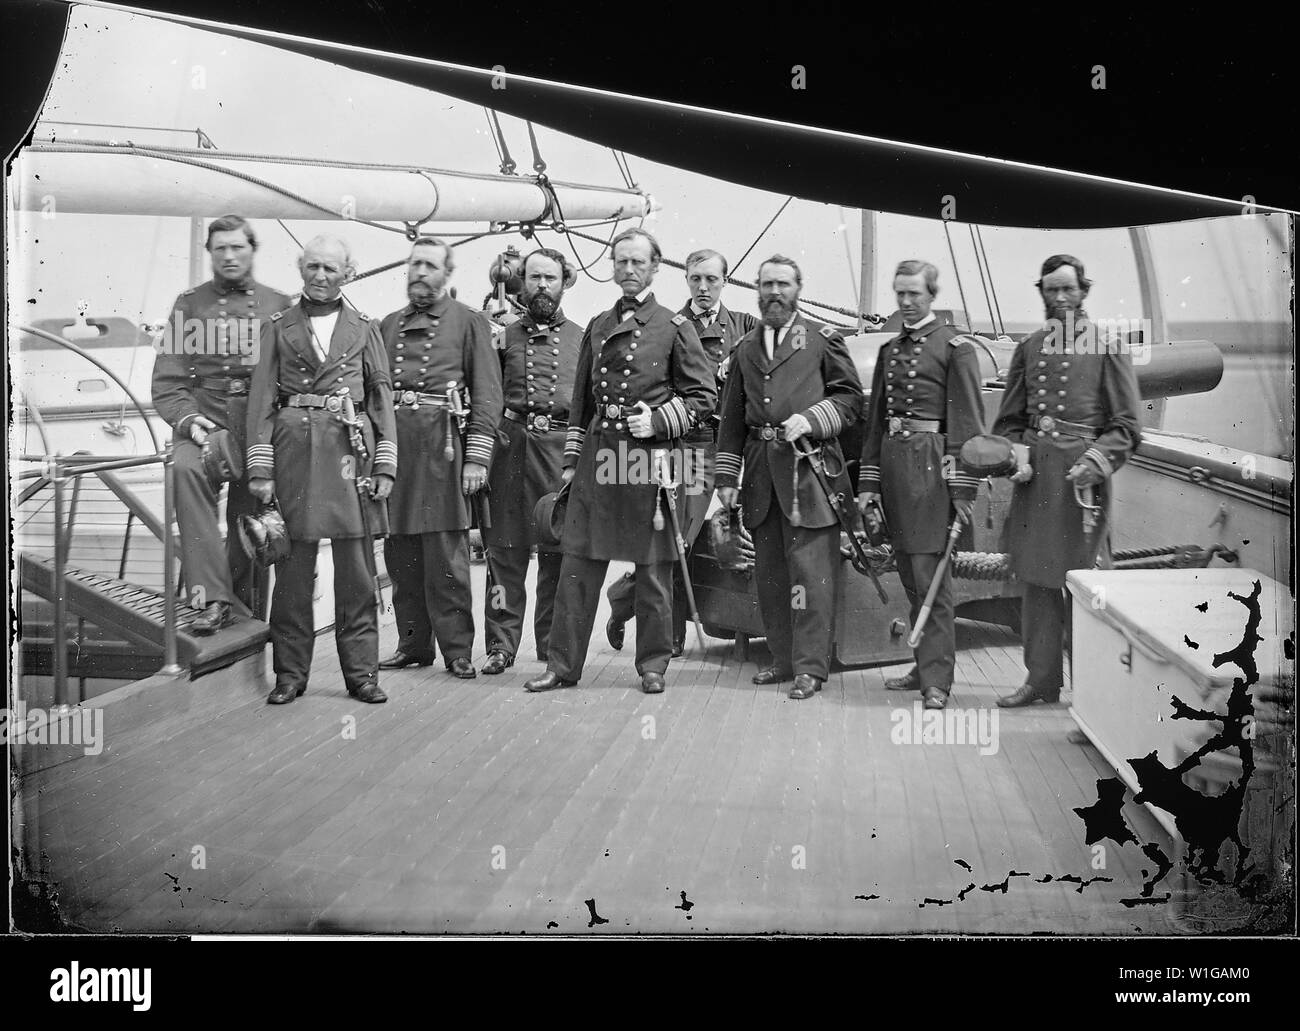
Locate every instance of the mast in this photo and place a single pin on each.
(867, 290)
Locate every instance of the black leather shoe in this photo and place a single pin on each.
(462, 668)
(614, 629)
(805, 686)
(1027, 695)
(771, 675)
(400, 660)
(285, 693)
(935, 697)
(548, 681)
(909, 681)
(497, 662)
(369, 693)
(212, 619)
(652, 683)
(679, 646)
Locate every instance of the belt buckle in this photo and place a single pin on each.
(613, 411)
(333, 403)
(236, 386)
(408, 398)
(895, 424)
(1046, 423)
(768, 433)
(541, 422)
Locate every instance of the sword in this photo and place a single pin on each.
(923, 617)
(836, 500)
(667, 489)
(360, 456)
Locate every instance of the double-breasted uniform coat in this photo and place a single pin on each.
(204, 367)
(719, 336)
(1068, 403)
(433, 351)
(797, 561)
(928, 374)
(650, 355)
(538, 363)
(296, 437)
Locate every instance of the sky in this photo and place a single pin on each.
(248, 96)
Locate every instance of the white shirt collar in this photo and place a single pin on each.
(698, 311)
(923, 323)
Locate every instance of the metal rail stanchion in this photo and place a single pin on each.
(60, 594)
(170, 666)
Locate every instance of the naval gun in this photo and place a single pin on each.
(868, 631)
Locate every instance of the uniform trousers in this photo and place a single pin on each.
(431, 593)
(798, 623)
(937, 651)
(1043, 613)
(507, 598)
(356, 614)
(213, 572)
(577, 599)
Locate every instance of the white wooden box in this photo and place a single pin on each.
(1140, 639)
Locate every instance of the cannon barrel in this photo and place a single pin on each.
(1178, 367)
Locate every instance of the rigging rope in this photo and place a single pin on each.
(765, 229)
(988, 302)
(956, 270)
(507, 162)
(1002, 326)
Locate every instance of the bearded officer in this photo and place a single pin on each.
(539, 354)
(925, 404)
(643, 383)
(720, 330)
(200, 385)
(319, 358)
(791, 379)
(1073, 399)
(437, 348)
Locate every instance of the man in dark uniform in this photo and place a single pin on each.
(925, 404)
(320, 359)
(643, 382)
(437, 348)
(790, 379)
(719, 329)
(539, 355)
(1072, 398)
(200, 385)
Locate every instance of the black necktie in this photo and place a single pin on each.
(316, 309)
(706, 317)
(627, 304)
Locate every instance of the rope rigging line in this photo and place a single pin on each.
(507, 162)
(956, 271)
(979, 267)
(1002, 326)
(765, 229)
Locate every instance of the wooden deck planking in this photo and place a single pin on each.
(394, 831)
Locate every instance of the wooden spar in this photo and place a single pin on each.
(89, 178)
(867, 292)
(1152, 308)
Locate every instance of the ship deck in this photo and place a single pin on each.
(474, 807)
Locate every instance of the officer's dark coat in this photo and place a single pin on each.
(537, 373)
(654, 356)
(205, 322)
(307, 450)
(1044, 527)
(931, 373)
(811, 374)
(448, 342)
(720, 337)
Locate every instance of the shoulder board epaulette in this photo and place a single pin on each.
(277, 315)
(363, 316)
(957, 339)
(189, 291)
(830, 332)
(678, 319)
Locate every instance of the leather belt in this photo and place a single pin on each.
(230, 384)
(616, 411)
(541, 423)
(766, 432)
(414, 399)
(1051, 424)
(330, 402)
(895, 425)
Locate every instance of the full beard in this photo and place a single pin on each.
(542, 307)
(776, 311)
(421, 294)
